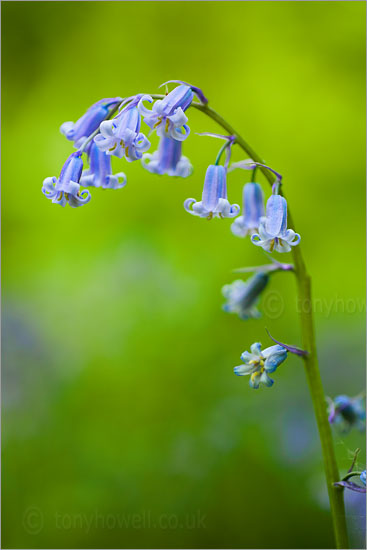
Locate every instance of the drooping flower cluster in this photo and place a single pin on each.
(258, 364)
(100, 137)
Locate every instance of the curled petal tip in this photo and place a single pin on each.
(188, 206)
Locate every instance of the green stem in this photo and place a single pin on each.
(308, 343)
(220, 153)
(253, 177)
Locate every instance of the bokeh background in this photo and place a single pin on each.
(123, 424)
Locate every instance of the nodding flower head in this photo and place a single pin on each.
(253, 210)
(66, 188)
(259, 363)
(242, 297)
(121, 136)
(273, 233)
(214, 201)
(168, 159)
(78, 131)
(100, 171)
(347, 412)
(167, 116)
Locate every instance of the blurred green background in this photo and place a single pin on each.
(123, 424)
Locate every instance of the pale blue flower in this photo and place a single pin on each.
(347, 412)
(167, 116)
(168, 159)
(273, 233)
(253, 210)
(121, 136)
(66, 188)
(259, 363)
(242, 297)
(214, 201)
(100, 171)
(79, 131)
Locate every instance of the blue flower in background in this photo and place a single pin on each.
(121, 136)
(273, 233)
(90, 121)
(242, 297)
(100, 171)
(347, 412)
(253, 210)
(362, 477)
(167, 116)
(66, 188)
(214, 201)
(168, 159)
(259, 363)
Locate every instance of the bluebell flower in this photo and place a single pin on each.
(100, 171)
(347, 412)
(121, 136)
(214, 201)
(259, 363)
(66, 188)
(273, 233)
(253, 210)
(168, 159)
(78, 131)
(167, 116)
(362, 477)
(242, 297)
